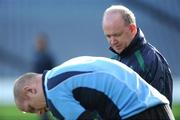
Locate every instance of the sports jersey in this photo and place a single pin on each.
(108, 87)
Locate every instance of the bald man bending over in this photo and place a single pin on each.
(91, 88)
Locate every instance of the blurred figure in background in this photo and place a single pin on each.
(43, 59)
(130, 47)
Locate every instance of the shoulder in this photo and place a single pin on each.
(153, 59)
(153, 54)
(149, 53)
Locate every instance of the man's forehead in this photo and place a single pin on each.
(115, 21)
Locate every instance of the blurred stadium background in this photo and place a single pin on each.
(74, 29)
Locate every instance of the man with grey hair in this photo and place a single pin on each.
(130, 47)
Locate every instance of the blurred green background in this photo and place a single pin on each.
(10, 112)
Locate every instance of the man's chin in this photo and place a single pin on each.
(118, 51)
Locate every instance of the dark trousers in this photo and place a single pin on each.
(159, 112)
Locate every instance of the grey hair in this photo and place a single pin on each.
(127, 15)
(20, 82)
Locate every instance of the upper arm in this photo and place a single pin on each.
(64, 105)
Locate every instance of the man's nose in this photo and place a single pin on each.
(112, 40)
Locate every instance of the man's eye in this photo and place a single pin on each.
(31, 109)
(108, 36)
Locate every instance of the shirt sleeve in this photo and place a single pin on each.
(66, 106)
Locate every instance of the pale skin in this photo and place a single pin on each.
(32, 98)
(118, 33)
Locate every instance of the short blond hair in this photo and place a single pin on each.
(20, 82)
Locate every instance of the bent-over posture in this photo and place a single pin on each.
(91, 88)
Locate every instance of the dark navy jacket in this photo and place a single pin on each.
(148, 62)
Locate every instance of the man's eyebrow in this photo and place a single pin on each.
(115, 34)
(119, 33)
(31, 109)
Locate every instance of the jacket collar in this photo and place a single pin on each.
(136, 43)
(43, 85)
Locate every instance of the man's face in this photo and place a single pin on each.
(33, 103)
(117, 32)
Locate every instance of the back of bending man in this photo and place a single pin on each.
(91, 88)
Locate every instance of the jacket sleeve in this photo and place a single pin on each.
(159, 76)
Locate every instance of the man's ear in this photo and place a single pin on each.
(133, 28)
(29, 90)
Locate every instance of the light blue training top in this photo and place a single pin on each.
(128, 91)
